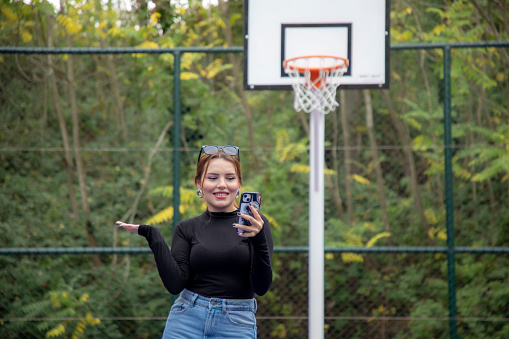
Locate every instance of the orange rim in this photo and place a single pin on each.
(343, 63)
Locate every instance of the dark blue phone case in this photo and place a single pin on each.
(248, 198)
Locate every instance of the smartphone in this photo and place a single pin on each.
(246, 199)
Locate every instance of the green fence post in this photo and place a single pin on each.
(176, 139)
(449, 206)
(176, 143)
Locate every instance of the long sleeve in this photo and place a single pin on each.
(173, 269)
(261, 270)
(208, 257)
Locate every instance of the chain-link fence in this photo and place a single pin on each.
(384, 296)
(412, 251)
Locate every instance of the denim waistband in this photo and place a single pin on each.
(224, 304)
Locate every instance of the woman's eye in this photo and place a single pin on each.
(231, 178)
(212, 178)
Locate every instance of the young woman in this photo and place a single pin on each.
(216, 270)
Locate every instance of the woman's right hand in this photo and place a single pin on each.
(130, 227)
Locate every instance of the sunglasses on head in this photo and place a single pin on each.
(211, 149)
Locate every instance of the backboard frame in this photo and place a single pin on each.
(293, 22)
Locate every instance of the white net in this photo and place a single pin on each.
(315, 80)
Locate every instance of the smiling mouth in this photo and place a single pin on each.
(221, 194)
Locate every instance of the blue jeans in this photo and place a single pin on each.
(195, 317)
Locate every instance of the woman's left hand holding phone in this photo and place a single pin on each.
(130, 227)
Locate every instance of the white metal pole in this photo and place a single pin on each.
(316, 225)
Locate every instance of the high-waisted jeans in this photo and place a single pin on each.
(195, 317)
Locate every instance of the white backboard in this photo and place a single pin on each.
(276, 30)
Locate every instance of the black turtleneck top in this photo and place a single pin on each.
(209, 258)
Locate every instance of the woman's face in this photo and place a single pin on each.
(219, 186)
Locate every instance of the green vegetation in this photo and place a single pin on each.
(86, 140)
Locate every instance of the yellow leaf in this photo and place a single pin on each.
(85, 297)
(431, 233)
(9, 14)
(437, 232)
(299, 168)
(154, 18)
(439, 29)
(281, 141)
(351, 257)
(69, 24)
(404, 36)
(189, 59)
(188, 76)
(273, 223)
(279, 331)
(145, 44)
(420, 143)
(373, 240)
(92, 320)
(79, 329)
(148, 44)
(371, 226)
(476, 178)
(431, 217)
(413, 123)
(217, 70)
(115, 32)
(164, 215)
(220, 23)
(54, 301)
(329, 171)
(442, 235)
(102, 24)
(26, 36)
(56, 332)
(360, 180)
(169, 44)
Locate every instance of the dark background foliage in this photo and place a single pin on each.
(86, 140)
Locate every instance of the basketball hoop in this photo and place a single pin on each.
(314, 80)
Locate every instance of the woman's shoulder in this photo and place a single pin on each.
(192, 221)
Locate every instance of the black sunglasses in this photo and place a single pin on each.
(211, 149)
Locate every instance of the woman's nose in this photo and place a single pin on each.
(221, 182)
